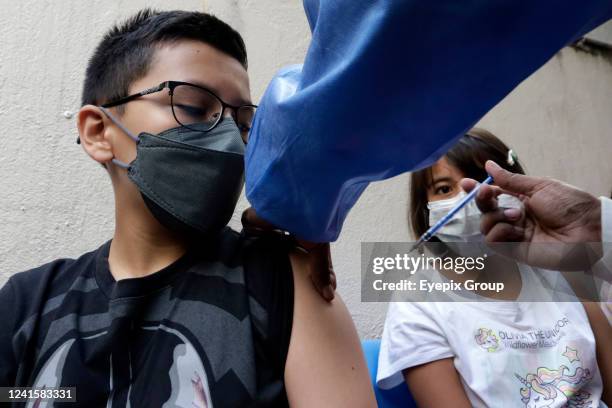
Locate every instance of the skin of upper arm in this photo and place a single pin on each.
(603, 333)
(325, 364)
(425, 382)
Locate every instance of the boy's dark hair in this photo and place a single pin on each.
(125, 53)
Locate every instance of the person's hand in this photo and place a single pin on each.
(554, 214)
(323, 277)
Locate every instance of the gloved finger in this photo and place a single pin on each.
(486, 196)
(468, 184)
(326, 290)
(250, 219)
(322, 276)
(504, 232)
(332, 279)
(517, 183)
(492, 218)
(486, 199)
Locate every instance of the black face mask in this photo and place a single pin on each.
(190, 179)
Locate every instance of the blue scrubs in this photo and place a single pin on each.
(387, 87)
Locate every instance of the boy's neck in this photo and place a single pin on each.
(139, 250)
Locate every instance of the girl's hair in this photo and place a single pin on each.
(469, 155)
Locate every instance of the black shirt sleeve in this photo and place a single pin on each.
(269, 280)
(8, 362)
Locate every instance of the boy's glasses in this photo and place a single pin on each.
(193, 104)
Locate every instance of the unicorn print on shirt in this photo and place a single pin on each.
(487, 339)
(557, 388)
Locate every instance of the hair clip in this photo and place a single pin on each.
(512, 158)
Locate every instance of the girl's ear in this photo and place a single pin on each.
(93, 133)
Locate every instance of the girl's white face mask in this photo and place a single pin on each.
(465, 225)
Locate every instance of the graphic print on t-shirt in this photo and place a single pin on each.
(487, 339)
(551, 385)
(212, 328)
(557, 387)
(535, 338)
(185, 383)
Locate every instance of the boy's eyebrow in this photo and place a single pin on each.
(216, 91)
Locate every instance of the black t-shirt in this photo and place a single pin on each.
(211, 329)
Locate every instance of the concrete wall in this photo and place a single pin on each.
(55, 202)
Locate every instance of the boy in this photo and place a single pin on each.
(177, 310)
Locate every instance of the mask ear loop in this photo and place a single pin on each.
(120, 125)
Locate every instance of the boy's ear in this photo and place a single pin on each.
(93, 133)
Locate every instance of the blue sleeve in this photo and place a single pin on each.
(387, 87)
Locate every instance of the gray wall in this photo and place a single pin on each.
(55, 202)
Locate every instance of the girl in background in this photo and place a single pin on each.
(495, 350)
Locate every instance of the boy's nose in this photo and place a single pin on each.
(229, 113)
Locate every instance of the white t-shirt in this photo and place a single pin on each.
(508, 354)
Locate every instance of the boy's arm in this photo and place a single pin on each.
(323, 277)
(325, 364)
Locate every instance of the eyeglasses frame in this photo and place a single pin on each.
(171, 85)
